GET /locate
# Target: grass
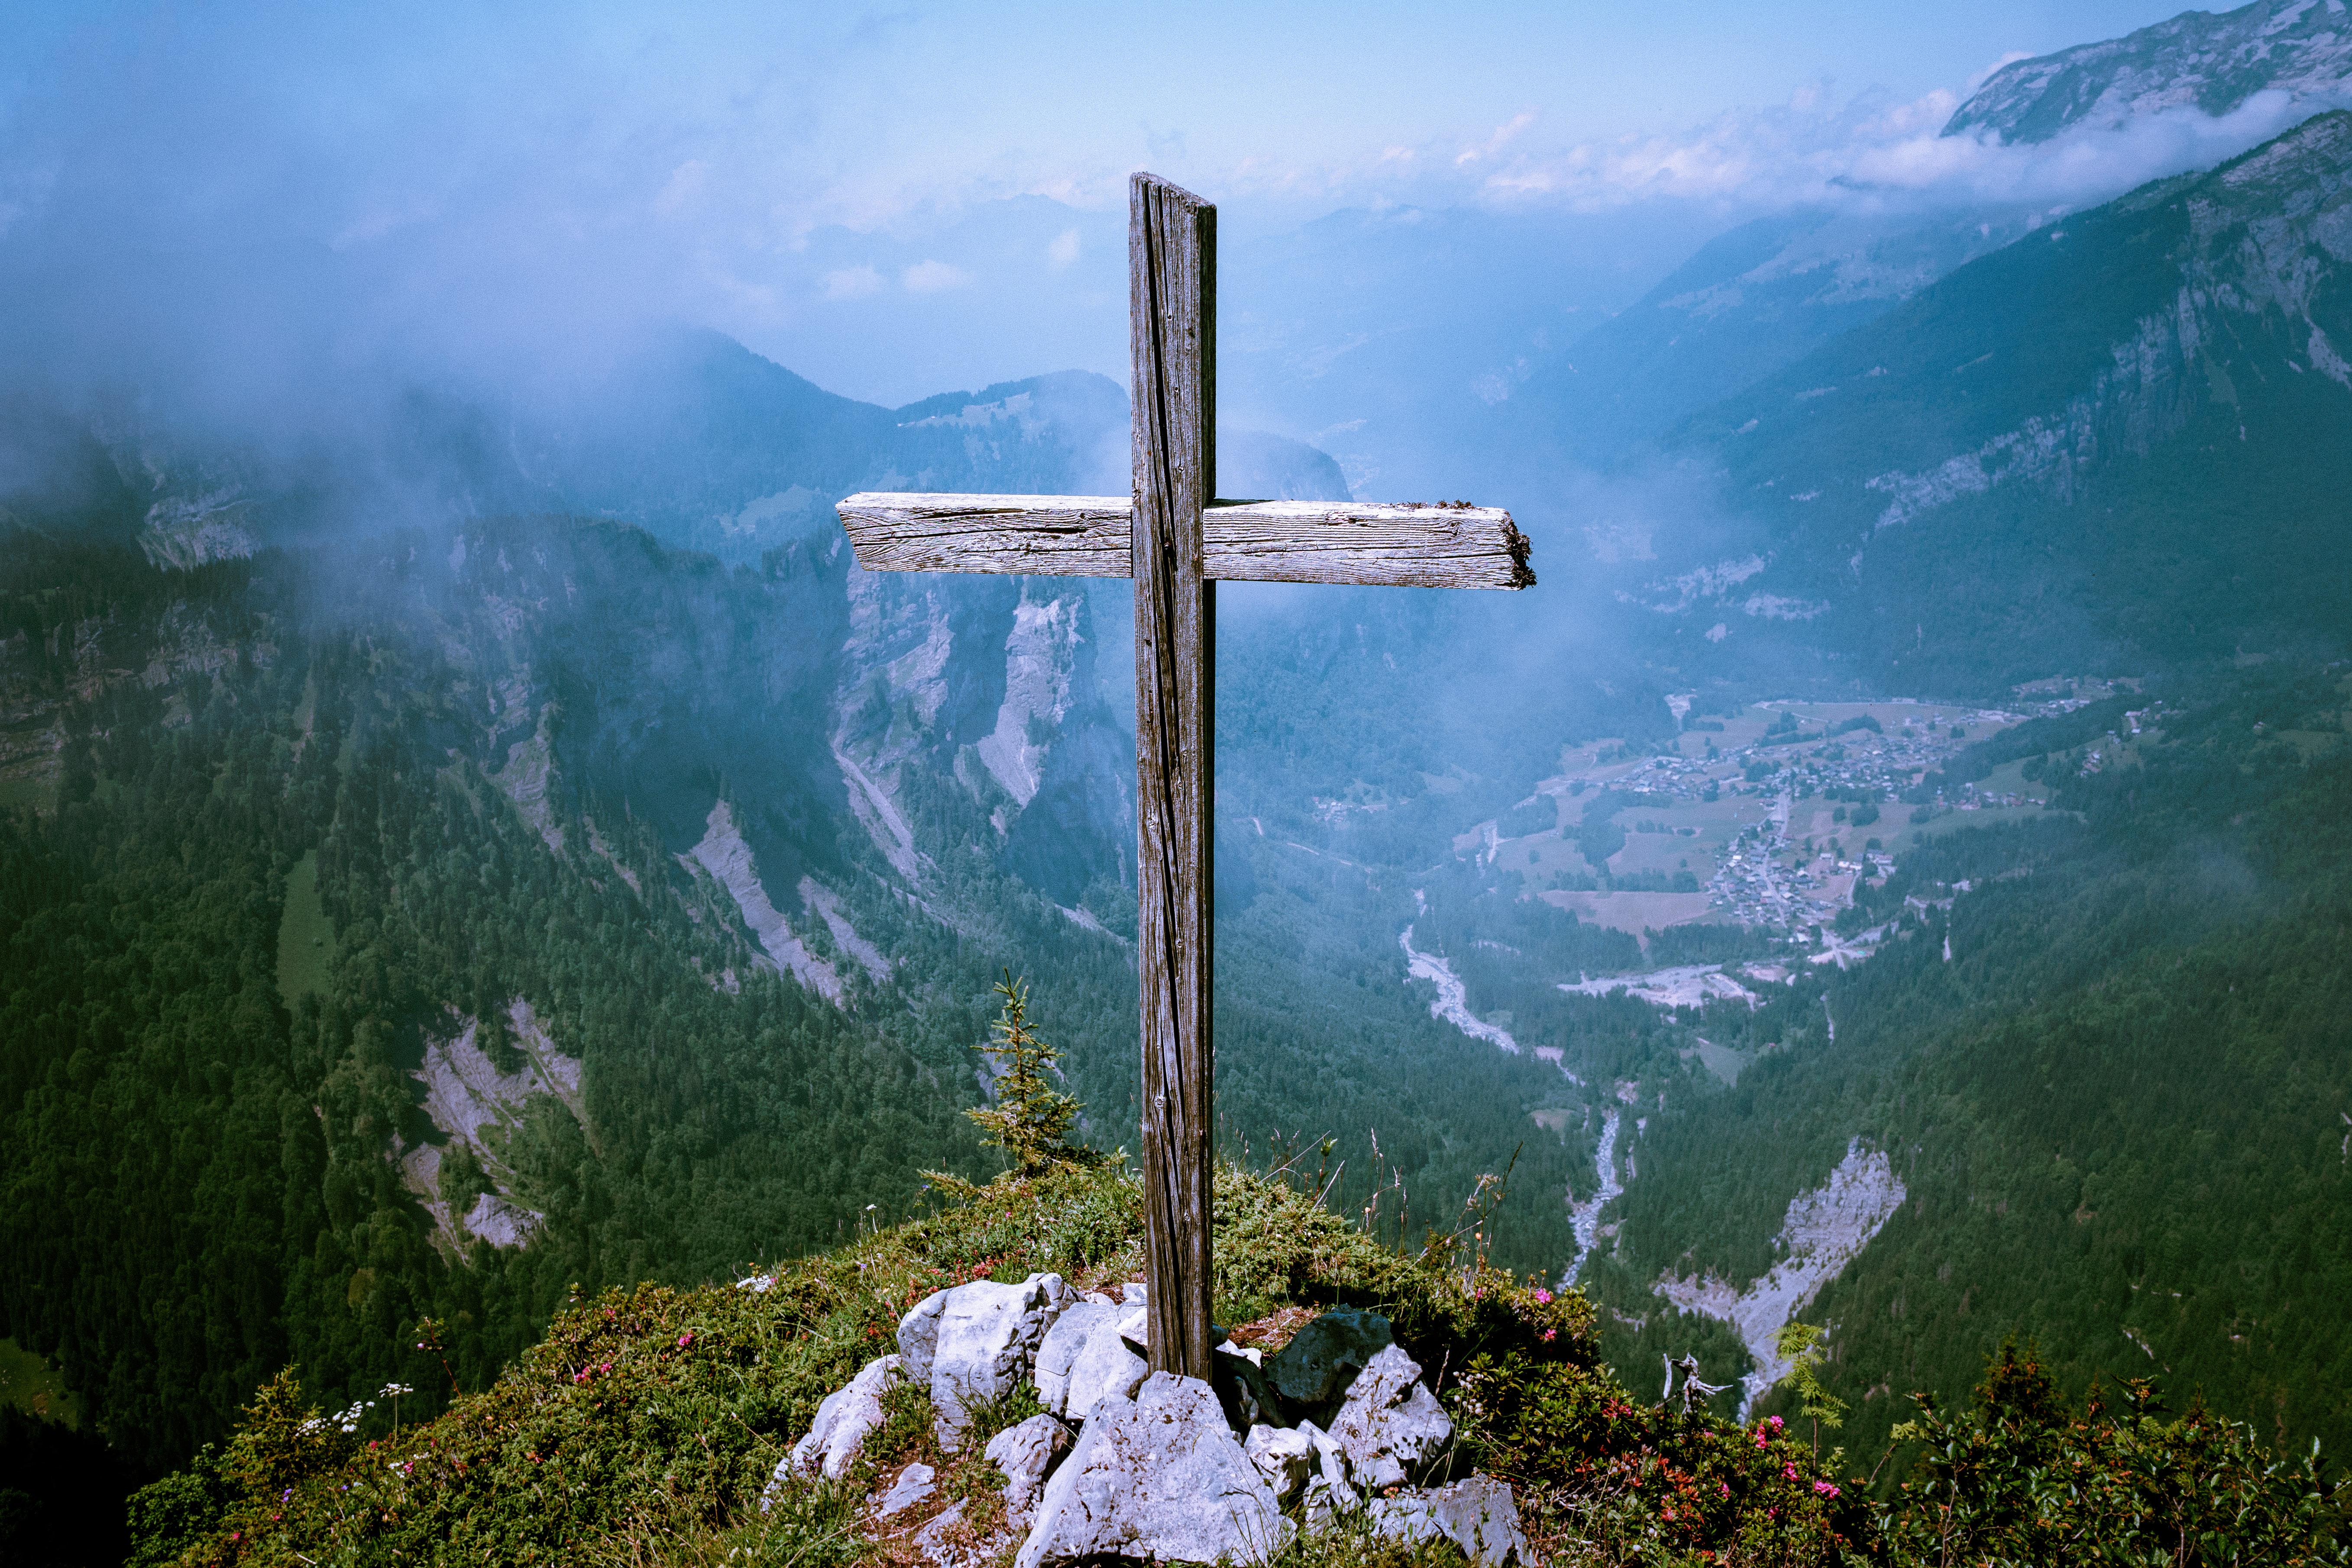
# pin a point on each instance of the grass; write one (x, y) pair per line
(1899, 821)
(1632, 912)
(31, 1385)
(36, 792)
(1722, 1060)
(304, 936)
(647, 1424)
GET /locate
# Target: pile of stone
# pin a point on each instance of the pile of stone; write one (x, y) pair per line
(1136, 1466)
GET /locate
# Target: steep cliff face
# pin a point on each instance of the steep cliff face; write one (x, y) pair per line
(784, 732)
(2116, 440)
(991, 684)
(1744, 306)
(2198, 58)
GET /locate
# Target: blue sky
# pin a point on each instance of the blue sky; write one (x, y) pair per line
(858, 191)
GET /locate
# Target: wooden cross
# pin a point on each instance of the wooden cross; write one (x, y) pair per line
(1178, 543)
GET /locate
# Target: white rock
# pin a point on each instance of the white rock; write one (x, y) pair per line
(913, 1485)
(843, 1422)
(1135, 1328)
(1082, 1358)
(919, 1338)
(932, 1543)
(1328, 1495)
(1028, 1454)
(1133, 1292)
(977, 1341)
(1479, 1514)
(1159, 1478)
(1283, 1455)
(1390, 1425)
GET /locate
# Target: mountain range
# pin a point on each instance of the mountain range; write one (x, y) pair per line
(519, 850)
(2116, 444)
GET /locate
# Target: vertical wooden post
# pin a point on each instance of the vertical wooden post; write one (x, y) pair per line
(1171, 249)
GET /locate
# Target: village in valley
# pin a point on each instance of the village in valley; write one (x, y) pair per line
(1767, 819)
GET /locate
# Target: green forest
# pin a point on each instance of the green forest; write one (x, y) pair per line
(276, 865)
(258, 887)
(2118, 1108)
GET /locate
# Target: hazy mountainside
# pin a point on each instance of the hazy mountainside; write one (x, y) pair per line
(2114, 445)
(2212, 61)
(1744, 306)
(689, 435)
(556, 907)
(1752, 301)
(1397, 339)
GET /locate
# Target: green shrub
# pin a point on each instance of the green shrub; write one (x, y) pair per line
(2025, 1480)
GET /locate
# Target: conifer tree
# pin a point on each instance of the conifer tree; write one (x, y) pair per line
(1800, 1343)
(1030, 1120)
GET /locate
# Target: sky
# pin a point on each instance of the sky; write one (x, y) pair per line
(895, 200)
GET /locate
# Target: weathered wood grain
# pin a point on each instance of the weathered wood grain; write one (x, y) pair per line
(1171, 249)
(1052, 536)
(1398, 545)
(1407, 545)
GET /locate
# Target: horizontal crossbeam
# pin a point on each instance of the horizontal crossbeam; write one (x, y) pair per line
(1410, 545)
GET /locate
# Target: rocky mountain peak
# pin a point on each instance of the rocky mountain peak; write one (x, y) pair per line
(2214, 61)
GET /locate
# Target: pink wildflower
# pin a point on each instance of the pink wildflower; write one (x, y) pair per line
(686, 1339)
(1551, 1333)
(1544, 1295)
(1776, 1422)
(1788, 1471)
(1825, 1488)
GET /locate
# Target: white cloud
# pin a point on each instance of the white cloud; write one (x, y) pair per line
(1870, 152)
(933, 277)
(1065, 248)
(1505, 134)
(685, 183)
(851, 283)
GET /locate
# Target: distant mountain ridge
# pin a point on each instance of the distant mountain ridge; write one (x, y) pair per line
(2214, 62)
(1743, 306)
(693, 436)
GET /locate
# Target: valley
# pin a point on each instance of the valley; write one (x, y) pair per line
(1892, 875)
(1747, 819)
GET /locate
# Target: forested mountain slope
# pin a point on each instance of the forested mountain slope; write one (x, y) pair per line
(1746, 305)
(2107, 1054)
(2121, 442)
(411, 931)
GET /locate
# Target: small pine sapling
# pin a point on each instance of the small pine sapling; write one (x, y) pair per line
(1031, 1120)
(1801, 1345)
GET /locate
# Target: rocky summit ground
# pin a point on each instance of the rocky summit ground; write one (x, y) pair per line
(650, 1427)
(1431, 1399)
